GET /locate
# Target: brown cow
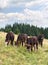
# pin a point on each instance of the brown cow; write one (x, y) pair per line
(9, 37)
(32, 42)
(21, 39)
(40, 39)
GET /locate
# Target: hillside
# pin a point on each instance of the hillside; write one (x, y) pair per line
(13, 55)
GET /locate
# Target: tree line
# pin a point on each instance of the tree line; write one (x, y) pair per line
(26, 28)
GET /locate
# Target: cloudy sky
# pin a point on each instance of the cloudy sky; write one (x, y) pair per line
(33, 12)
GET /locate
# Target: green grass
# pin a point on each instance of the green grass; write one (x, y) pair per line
(13, 55)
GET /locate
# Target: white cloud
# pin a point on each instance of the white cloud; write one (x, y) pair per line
(19, 16)
(35, 17)
(8, 3)
(38, 18)
(36, 2)
(4, 3)
(11, 16)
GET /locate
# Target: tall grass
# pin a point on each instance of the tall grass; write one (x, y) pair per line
(13, 55)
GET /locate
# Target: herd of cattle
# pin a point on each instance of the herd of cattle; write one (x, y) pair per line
(25, 40)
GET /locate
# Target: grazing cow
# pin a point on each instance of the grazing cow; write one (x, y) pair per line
(21, 39)
(40, 39)
(32, 42)
(9, 38)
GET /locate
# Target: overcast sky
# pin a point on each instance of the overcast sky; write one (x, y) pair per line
(33, 12)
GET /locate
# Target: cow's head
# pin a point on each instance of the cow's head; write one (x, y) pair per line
(7, 41)
(28, 46)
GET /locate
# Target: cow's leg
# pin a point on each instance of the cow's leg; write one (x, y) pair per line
(37, 45)
(7, 43)
(41, 44)
(34, 47)
(11, 42)
(31, 47)
(15, 42)
(22, 43)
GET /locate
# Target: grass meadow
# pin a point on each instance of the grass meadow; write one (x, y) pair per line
(13, 55)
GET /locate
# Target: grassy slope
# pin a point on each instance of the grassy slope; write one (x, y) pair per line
(20, 56)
